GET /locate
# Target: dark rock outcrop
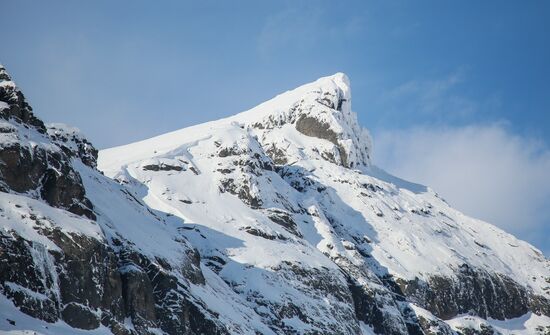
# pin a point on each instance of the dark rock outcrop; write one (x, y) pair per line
(18, 108)
(472, 290)
(73, 143)
(313, 127)
(85, 281)
(25, 280)
(42, 168)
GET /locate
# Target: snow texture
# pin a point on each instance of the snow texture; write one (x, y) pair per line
(229, 180)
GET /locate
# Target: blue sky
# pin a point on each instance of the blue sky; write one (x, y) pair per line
(426, 76)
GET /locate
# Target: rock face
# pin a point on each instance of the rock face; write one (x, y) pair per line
(273, 221)
(30, 163)
(64, 258)
(486, 294)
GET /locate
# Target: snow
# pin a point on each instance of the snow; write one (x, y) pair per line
(407, 228)
(63, 128)
(154, 234)
(278, 107)
(527, 324)
(366, 329)
(231, 308)
(415, 233)
(26, 216)
(198, 188)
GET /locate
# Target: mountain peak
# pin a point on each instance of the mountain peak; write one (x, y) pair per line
(340, 79)
(278, 203)
(311, 122)
(320, 111)
(253, 224)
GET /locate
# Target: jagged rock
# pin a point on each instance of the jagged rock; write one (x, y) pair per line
(137, 291)
(26, 280)
(292, 181)
(162, 167)
(42, 168)
(434, 327)
(17, 106)
(484, 329)
(58, 266)
(284, 219)
(73, 143)
(21, 169)
(473, 290)
(88, 274)
(65, 190)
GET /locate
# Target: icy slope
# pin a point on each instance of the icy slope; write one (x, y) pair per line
(285, 206)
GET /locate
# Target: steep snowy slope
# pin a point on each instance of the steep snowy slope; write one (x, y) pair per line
(285, 206)
(79, 251)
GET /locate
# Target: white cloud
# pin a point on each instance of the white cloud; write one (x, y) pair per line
(485, 171)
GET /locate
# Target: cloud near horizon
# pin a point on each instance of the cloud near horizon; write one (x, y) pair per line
(483, 170)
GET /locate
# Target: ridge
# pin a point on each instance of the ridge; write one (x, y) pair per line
(313, 121)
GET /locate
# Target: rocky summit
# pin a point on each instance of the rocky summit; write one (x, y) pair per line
(272, 221)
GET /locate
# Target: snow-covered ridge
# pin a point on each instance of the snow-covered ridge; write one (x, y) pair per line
(313, 121)
(289, 184)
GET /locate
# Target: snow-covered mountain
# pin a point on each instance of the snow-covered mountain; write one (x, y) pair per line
(273, 221)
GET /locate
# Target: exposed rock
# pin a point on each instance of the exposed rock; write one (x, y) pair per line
(259, 233)
(73, 143)
(79, 316)
(42, 168)
(484, 329)
(21, 169)
(284, 219)
(486, 294)
(18, 108)
(313, 127)
(435, 327)
(162, 167)
(65, 190)
(84, 279)
(27, 278)
(137, 292)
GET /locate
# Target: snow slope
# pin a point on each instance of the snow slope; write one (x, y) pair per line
(286, 193)
(79, 253)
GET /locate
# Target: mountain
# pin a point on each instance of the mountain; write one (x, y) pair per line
(272, 221)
